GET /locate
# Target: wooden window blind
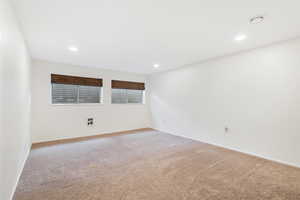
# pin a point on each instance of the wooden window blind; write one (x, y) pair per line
(75, 80)
(127, 85)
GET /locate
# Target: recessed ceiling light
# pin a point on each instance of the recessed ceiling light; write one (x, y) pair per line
(240, 37)
(257, 19)
(156, 65)
(73, 48)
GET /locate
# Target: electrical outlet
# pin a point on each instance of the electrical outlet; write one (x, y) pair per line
(226, 129)
(90, 121)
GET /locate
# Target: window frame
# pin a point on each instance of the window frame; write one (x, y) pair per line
(128, 85)
(143, 98)
(73, 104)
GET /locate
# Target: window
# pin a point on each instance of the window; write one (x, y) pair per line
(75, 90)
(64, 93)
(124, 92)
(118, 95)
(127, 96)
(89, 94)
(135, 96)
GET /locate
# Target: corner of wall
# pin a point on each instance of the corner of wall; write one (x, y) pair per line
(19, 173)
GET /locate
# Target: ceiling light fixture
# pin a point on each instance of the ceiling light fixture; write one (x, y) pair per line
(156, 65)
(257, 19)
(73, 48)
(240, 37)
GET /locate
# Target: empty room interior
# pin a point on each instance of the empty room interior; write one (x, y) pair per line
(149, 100)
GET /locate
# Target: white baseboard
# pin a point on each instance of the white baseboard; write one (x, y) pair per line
(88, 135)
(19, 173)
(234, 149)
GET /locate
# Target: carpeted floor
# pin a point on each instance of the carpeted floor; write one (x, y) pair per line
(151, 165)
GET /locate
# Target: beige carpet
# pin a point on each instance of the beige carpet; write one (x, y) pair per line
(151, 165)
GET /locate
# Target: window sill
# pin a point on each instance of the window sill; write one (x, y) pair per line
(128, 104)
(78, 104)
(96, 104)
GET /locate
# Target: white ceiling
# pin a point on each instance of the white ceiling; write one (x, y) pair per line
(132, 35)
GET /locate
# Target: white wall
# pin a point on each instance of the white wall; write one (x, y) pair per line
(52, 122)
(15, 139)
(256, 94)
